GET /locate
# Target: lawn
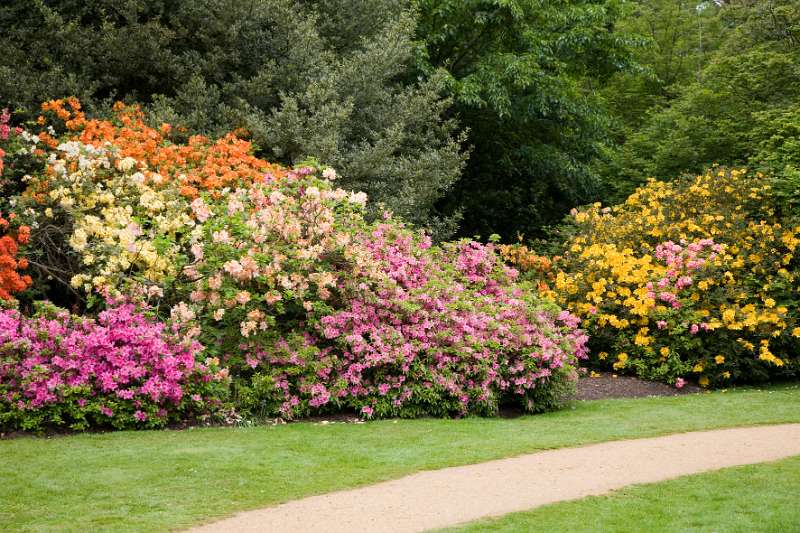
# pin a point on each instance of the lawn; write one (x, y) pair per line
(159, 480)
(743, 499)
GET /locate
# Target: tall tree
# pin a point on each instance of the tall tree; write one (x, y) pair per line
(524, 75)
(740, 108)
(678, 38)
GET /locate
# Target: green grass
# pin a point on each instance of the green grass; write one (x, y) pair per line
(159, 480)
(744, 499)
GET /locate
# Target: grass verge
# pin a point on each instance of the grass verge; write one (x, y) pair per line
(743, 499)
(160, 480)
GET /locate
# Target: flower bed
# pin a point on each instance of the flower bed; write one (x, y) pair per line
(274, 274)
(122, 369)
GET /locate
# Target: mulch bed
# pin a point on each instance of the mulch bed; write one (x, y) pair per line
(606, 385)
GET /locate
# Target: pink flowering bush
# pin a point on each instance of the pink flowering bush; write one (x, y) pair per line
(313, 309)
(121, 370)
(449, 331)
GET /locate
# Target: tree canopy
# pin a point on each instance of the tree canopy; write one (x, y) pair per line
(524, 75)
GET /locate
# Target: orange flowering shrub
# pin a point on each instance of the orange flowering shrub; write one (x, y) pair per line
(112, 204)
(199, 165)
(11, 281)
(534, 266)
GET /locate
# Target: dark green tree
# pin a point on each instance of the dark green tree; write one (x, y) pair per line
(524, 75)
(739, 108)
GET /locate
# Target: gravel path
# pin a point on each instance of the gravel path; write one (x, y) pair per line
(451, 496)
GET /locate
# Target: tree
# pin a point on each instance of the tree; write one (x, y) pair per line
(524, 75)
(739, 109)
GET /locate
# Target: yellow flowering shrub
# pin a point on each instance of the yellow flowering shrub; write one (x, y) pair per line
(689, 279)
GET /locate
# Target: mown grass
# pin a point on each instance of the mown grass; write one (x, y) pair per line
(744, 499)
(160, 480)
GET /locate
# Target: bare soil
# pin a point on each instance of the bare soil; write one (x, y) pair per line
(606, 385)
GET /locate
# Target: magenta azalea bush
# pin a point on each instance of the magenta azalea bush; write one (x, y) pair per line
(122, 370)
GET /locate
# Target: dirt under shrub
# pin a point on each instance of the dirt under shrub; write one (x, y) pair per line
(598, 386)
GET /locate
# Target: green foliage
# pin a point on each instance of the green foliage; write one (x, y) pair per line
(775, 136)
(740, 106)
(524, 77)
(326, 79)
(678, 38)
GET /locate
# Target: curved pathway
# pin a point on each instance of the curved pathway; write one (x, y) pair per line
(441, 498)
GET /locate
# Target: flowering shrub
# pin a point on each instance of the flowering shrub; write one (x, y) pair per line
(447, 332)
(693, 278)
(312, 308)
(122, 370)
(119, 227)
(199, 165)
(273, 274)
(11, 281)
(111, 211)
(539, 267)
(20, 154)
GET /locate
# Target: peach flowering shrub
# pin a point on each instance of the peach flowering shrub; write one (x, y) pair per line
(694, 279)
(122, 369)
(110, 209)
(314, 309)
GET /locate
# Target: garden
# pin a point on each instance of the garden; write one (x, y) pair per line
(392, 238)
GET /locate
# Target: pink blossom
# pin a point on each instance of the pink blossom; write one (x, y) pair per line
(122, 355)
(200, 209)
